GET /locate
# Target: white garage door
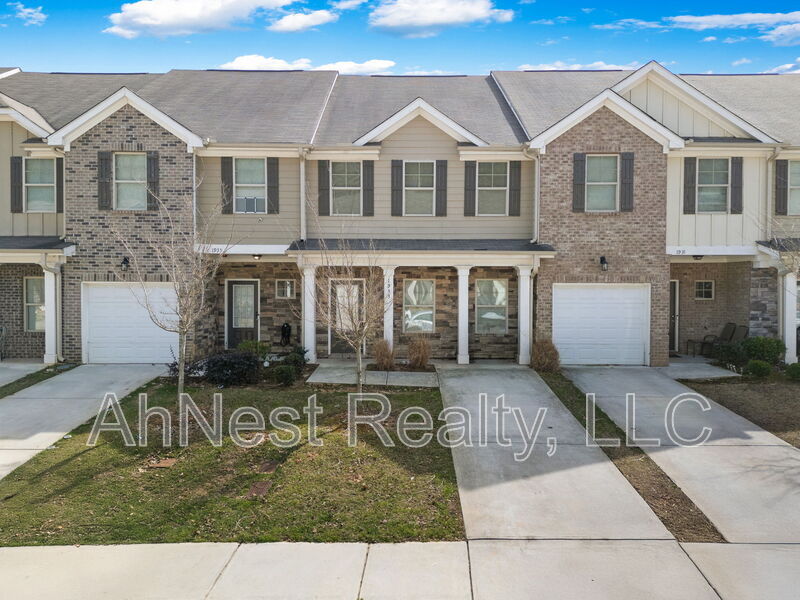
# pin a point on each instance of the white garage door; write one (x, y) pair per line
(602, 324)
(118, 329)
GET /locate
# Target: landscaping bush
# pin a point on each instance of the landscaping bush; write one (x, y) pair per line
(544, 357)
(301, 353)
(294, 360)
(419, 353)
(769, 350)
(758, 368)
(260, 349)
(286, 375)
(731, 354)
(793, 372)
(190, 369)
(384, 355)
(233, 368)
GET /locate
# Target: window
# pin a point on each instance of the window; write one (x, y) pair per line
(703, 290)
(602, 182)
(40, 185)
(346, 189)
(34, 303)
(492, 188)
(794, 187)
(284, 288)
(491, 306)
(712, 184)
(250, 185)
(418, 189)
(130, 181)
(418, 305)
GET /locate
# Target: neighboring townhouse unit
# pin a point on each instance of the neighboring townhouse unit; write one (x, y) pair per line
(620, 213)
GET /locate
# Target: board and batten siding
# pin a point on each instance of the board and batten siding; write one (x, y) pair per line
(11, 138)
(717, 229)
(281, 228)
(420, 140)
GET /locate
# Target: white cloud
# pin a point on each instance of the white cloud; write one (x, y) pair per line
(793, 67)
(784, 35)
(183, 17)
(559, 65)
(710, 38)
(553, 21)
(734, 39)
(347, 4)
(587, 10)
(631, 24)
(741, 61)
(302, 21)
(30, 15)
(257, 62)
(348, 67)
(737, 21)
(425, 18)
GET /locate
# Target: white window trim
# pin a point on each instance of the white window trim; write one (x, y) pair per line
(115, 181)
(587, 183)
(477, 306)
(698, 185)
(26, 185)
(433, 305)
(478, 188)
(791, 186)
(266, 199)
(26, 304)
(360, 188)
(713, 289)
(432, 189)
(278, 287)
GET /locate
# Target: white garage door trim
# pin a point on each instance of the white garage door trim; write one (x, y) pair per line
(86, 315)
(645, 316)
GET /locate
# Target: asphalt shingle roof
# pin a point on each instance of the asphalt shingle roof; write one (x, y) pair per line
(32, 242)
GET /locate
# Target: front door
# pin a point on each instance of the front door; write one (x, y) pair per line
(673, 316)
(242, 312)
(346, 312)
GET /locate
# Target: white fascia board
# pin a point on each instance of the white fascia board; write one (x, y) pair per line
(495, 154)
(23, 121)
(621, 107)
(10, 72)
(250, 152)
(110, 105)
(36, 256)
(712, 250)
(419, 108)
(692, 92)
(245, 249)
(426, 258)
(27, 112)
(346, 153)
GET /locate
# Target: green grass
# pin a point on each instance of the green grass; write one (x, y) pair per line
(107, 494)
(32, 379)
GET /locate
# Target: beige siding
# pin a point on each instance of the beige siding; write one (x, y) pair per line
(419, 140)
(11, 138)
(282, 228)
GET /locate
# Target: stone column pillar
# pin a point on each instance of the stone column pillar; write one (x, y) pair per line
(51, 281)
(524, 313)
(790, 316)
(463, 314)
(388, 312)
(310, 312)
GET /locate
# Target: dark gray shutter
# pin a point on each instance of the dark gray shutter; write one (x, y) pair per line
(323, 188)
(273, 181)
(579, 182)
(514, 188)
(152, 181)
(626, 182)
(59, 185)
(397, 188)
(781, 187)
(105, 176)
(689, 185)
(226, 178)
(368, 187)
(736, 185)
(441, 188)
(470, 180)
(16, 184)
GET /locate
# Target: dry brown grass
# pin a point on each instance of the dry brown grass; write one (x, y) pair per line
(544, 357)
(419, 353)
(384, 355)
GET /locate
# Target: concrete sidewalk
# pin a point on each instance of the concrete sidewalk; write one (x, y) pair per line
(12, 369)
(343, 372)
(38, 416)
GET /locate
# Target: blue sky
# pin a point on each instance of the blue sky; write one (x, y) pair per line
(397, 36)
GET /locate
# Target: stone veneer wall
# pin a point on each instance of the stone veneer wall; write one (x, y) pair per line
(634, 243)
(492, 345)
(19, 343)
(764, 318)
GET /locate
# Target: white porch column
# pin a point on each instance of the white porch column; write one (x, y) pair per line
(388, 312)
(463, 314)
(310, 312)
(790, 316)
(51, 281)
(524, 312)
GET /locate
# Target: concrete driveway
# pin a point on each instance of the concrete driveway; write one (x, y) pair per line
(38, 416)
(746, 480)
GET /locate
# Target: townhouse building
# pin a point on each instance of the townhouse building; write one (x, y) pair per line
(620, 213)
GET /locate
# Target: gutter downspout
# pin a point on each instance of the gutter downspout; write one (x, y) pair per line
(770, 197)
(56, 271)
(303, 227)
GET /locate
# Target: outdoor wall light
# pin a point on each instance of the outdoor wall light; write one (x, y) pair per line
(256, 257)
(125, 264)
(603, 263)
(698, 257)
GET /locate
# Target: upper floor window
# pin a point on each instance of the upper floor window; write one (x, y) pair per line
(130, 181)
(419, 188)
(794, 187)
(492, 188)
(34, 303)
(713, 184)
(418, 305)
(346, 189)
(491, 306)
(40, 185)
(602, 182)
(250, 185)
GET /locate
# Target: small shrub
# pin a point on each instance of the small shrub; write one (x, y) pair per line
(260, 349)
(301, 352)
(793, 372)
(544, 357)
(419, 353)
(384, 355)
(190, 369)
(731, 354)
(294, 360)
(758, 368)
(769, 350)
(233, 368)
(286, 375)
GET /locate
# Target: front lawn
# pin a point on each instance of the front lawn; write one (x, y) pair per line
(111, 494)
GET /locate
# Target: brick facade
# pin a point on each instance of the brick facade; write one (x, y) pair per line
(633, 242)
(19, 343)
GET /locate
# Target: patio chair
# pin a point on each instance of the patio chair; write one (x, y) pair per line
(706, 345)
